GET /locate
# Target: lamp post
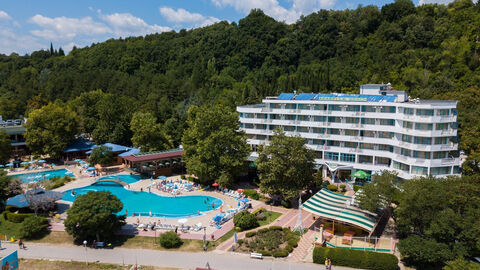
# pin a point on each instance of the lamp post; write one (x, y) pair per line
(85, 245)
(204, 238)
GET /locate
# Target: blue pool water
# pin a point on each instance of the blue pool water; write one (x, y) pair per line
(144, 202)
(37, 176)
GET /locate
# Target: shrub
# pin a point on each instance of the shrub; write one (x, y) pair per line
(286, 204)
(356, 187)
(280, 253)
(289, 248)
(183, 177)
(16, 218)
(265, 252)
(276, 228)
(250, 234)
(332, 187)
(170, 240)
(325, 184)
(33, 227)
(251, 193)
(259, 210)
(356, 258)
(245, 220)
(240, 241)
(342, 187)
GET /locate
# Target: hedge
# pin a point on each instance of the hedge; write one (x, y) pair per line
(332, 187)
(251, 193)
(356, 258)
(356, 187)
(16, 218)
(250, 234)
(170, 240)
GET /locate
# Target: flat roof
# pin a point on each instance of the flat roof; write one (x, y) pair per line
(336, 97)
(155, 155)
(431, 101)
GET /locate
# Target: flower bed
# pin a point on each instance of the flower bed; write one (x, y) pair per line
(273, 241)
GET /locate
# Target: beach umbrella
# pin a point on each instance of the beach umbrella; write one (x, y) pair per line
(9, 164)
(215, 185)
(1, 166)
(143, 225)
(240, 190)
(182, 220)
(162, 177)
(53, 164)
(41, 161)
(90, 168)
(85, 165)
(360, 174)
(24, 163)
(244, 200)
(78, 160)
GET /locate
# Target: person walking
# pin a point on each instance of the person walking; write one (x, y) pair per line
(329, 264)
(326, 263)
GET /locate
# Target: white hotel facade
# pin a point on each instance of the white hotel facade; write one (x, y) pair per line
(378, 129)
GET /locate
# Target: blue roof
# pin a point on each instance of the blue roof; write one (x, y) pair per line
(131, 152)
(305, 96)
(114, 147)
(38, 194)
(285, 96)
(80, 145)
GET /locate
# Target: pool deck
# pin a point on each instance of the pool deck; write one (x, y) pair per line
(82, 181)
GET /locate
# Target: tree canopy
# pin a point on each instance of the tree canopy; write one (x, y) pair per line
(5, 147)
(101, 155)
(50, 129)
(93, 216)
(213, 143)
(285, 166)
(148, 134)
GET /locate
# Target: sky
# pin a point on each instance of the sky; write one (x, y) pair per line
(29, 25)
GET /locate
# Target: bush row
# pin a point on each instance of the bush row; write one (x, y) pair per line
(15, 218)
(332, 187)
(251, 193)
(356, 258)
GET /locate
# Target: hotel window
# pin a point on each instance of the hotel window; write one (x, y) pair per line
(419, 170)
(406, 138)
(275, 106)
(303, 118)
(423, 126)
(304, 106)
(439, 155)
(302, 129)
(443, 112)
(261, 137)
(388, 109)
(353, 108)
(408, 111)
(318, 142)
(454, 125)
(351, 144)
(290, 106)
(382, 161)
(441, 126)
(334, 119)
(454, 111)
(365, 159)
(249, 115)
(405, 152)
(400, 166)
(318, 130)
(334, 107)
(319, 118)
(425, 112)
(368, 121)
(423, 140)
(421, 154)
(439, 170)
(368, 133)
(241, 115)
(248, 125)
(318, 154)
(276, 116)
(351, 132)
(320, 107)
(385, 134)
(242, 125)
(385, 147)
(272, 127)
(352, 120)
(333, 143)
(347, 157)
(367, 146)
(288, 128)
(290, 117)
(441, 140)
(262, 116)
(333, 131)
(331, 156)
(368, 108)
(387, 122)
(261, 126)
(407, 124)
(456, 170)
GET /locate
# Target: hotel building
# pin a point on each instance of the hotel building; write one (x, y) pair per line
(380, 128)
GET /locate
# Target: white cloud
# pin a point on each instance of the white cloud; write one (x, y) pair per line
(11, 41)
(183, 16)
(275, 10)
(125, 24)
(4, 15)
(64, 28)
(445, 2)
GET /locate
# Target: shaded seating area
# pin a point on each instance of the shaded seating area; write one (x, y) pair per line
(156, 163)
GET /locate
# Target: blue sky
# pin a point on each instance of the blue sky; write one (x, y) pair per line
(28, 25)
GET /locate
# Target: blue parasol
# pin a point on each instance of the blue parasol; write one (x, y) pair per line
(244, 200)
(90, 168)
(162, 177)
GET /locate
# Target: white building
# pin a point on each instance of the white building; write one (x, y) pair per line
(378, 129)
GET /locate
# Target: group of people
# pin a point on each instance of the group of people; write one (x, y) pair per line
(328, 264)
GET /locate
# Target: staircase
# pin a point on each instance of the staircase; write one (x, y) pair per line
(304, 246)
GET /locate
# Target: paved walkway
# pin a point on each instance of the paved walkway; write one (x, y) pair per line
(183, 260)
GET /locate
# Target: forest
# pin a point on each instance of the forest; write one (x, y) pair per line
(431, 51)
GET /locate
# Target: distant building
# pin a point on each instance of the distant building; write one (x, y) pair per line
(380, 128)
(155, 163)
(17, 139)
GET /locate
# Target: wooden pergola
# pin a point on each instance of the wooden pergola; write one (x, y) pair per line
(156, 163)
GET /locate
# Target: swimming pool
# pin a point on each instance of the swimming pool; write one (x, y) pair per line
(37, 176)
(144, 203)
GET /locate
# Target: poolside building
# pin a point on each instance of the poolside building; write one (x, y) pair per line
(156, 163)
(380, 128)
(17, 139)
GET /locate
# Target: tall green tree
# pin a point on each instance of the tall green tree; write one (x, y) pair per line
(93, 216)
(285, 166)
(5, 147)
(50, 129)
(148, 134)
(213, 143)
(380, 193)
(101, 155)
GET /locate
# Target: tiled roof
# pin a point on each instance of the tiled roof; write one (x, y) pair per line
(150, 156)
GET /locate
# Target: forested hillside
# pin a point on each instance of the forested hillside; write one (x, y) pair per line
(432, 51)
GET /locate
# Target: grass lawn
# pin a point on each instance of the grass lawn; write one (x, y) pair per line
(271, 217)
(8, 228)
(60, 265)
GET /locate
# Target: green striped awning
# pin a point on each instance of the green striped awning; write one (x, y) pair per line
(334, 206)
